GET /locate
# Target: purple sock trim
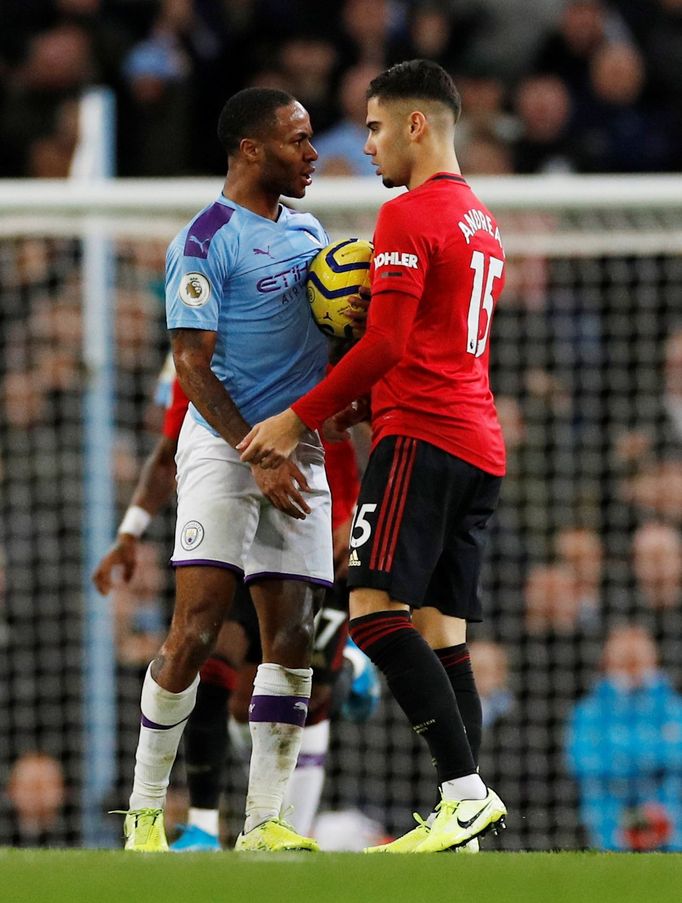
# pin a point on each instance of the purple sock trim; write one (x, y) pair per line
(145, 722)
(279, 709)
(308, 760)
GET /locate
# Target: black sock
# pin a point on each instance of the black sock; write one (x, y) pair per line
(206, 746)
(457, 663)
(419, 685)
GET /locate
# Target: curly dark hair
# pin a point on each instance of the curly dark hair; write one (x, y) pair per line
(249, 113)
(421, 79)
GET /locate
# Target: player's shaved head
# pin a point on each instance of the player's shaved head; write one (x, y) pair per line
(250, 113)
(421, 80)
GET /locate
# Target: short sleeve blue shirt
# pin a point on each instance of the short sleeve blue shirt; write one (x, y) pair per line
(243, 276)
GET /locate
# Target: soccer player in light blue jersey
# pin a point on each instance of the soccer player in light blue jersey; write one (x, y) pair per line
(245, 346)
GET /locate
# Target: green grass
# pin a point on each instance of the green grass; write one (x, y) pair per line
(104, 876)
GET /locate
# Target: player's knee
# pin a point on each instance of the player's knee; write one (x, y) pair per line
(294, 638)
(193, 647)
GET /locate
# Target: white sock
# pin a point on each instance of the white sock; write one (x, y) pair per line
(206, 819)
(277, 713)
(305, 786)
(469, 787)
(163, 720)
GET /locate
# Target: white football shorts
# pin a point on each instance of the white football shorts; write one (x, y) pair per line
(224, 519)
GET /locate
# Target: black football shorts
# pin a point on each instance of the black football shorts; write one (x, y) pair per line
(419, 528)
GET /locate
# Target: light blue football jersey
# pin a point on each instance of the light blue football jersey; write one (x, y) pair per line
(242, 276)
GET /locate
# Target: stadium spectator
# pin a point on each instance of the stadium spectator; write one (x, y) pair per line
(614, 130)
(581, 550)
(37, 792)
(657, 600)
(156, 100)
(552, 601)
(657, 559)
(566, 52)
(484, 108)
(624, 747)
(442, 32)
(340, 147)
(483, 154)
(57, 65)
(508, 35)
(543, 105)
(662, 46)
(491, 669)
(308, 62)
(366, 31)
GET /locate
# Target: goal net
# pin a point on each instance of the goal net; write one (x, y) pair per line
(578, 658)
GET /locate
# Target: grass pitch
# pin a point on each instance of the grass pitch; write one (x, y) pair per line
(83, 876)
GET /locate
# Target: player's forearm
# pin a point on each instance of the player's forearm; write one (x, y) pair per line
(210, 398)
(380, 349)
(157, 478)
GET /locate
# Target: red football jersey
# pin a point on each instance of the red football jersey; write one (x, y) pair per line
(440, 244)
(175, 412)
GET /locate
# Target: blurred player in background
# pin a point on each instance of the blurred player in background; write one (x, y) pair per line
(244, 346)
(438, 457)
(227, 675)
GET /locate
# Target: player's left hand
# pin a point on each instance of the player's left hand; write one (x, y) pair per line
(282, 487)
(356, 412)
(270, 443)
(331, 432)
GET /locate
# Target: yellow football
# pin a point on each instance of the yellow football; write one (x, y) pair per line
(339, 271)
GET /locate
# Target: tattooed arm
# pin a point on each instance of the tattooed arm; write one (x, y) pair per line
(192, 353)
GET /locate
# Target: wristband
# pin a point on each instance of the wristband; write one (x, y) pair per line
(135, 521)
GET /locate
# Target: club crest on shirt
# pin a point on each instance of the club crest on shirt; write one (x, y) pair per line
(191, 536)
(195, 289)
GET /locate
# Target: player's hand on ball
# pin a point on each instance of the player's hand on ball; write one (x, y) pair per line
(357, 311)
(117, 566)
(270, 443)
(282, 486)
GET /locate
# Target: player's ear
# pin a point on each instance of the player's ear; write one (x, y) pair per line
(250, 149)
(417, 124)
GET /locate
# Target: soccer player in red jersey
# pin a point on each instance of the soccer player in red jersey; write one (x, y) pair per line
(438, 456)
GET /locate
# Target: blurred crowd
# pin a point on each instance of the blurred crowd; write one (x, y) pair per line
(547, 85)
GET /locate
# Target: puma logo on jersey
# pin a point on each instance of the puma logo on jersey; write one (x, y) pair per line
(265, 252)
(396, 258)
(206, 241)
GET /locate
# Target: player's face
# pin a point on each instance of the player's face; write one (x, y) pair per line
(386, 143)
(288, 153)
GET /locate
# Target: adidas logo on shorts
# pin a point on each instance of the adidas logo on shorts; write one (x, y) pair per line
(353, 559)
